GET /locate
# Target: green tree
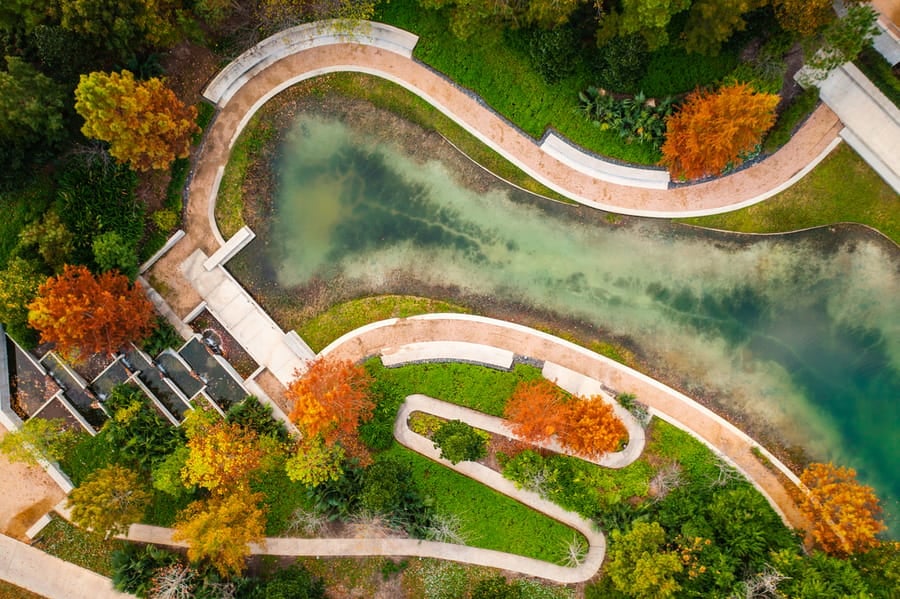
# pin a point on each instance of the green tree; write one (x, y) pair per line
(314, 463)
(844, 39)
(19, 285)
(38, 437)
(31, 115)
(640, 565)
(650, 19)
(167, 473)
(31, 104)
(53, 240)
(122, 25)
(109, 500)
(112, 252)
(25, 14)
(459, 442)
(388, 488)
(135, 431)
(146, 125)
(712, 23)
(254, 414)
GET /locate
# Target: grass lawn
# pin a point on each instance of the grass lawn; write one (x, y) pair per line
(86, 549)
(506, 81)
(488, 519)
(11, 591)
(843, 188)
(342, 318)
(470, 385)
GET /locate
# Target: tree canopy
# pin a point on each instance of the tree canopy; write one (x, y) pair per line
(110, 500)
(146, 125)
(845, 515)
(712, 129)
(84, 314)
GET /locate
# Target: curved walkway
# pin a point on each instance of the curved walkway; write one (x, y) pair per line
(277, 63)
(340, 547)
(722, 437)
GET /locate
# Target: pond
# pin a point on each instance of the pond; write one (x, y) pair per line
(796, 337)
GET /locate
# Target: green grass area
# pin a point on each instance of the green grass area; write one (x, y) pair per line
(879, 72)
(477, 387)
(843, 188)
(506, 81)
(322, 329)
(80, 547)
(282, 497)
(11, 591)
(487, 519)
(230, 203)
(673, 71)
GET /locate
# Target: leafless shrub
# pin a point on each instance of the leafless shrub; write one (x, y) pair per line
(667, 479)
(446, 528)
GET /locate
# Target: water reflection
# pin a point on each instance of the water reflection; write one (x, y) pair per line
(801, 332)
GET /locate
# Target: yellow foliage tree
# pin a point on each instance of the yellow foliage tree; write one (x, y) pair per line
(109, 500)
(222, 458)
(314, 463)
(146, 125)
(712, 129)
(221, 528)
(844, 513)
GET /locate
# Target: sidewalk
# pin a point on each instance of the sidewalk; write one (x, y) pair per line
(719, 435)
(50, 576)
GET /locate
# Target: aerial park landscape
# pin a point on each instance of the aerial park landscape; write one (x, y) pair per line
(362, 223)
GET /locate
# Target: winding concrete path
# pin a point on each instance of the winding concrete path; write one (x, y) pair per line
(726, 440)
(341, 547)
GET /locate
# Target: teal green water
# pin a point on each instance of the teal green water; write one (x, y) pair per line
(798, 334)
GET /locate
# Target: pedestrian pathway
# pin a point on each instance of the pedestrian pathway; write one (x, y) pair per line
(46, 575)
(299, 61)
(339, 547)
(282, 353)
(722, 437)
(872, 121)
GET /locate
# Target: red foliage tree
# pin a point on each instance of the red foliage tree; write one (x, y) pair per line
(844, 513)
(331, 399)
(538, 410)
(85, 314)
(535, 410)
(712, 129)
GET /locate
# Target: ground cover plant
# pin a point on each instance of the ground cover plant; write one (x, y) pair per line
(843, 188)
(81, 547)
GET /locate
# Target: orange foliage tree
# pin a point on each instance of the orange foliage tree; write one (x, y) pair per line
(591, 428)
(539, 410)
(844, 513)
(712, 129)
(146, 125)
(534, 410)
(84, 314)
(331, 399)
(222, 458)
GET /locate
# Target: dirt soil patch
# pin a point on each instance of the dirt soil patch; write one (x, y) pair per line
(28, 493)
